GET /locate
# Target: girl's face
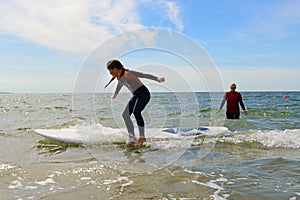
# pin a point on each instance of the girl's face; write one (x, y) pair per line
(115, 72)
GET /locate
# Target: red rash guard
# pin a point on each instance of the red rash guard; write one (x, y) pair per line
(233, 101)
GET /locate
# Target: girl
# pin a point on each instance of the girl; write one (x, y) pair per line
(141, 97)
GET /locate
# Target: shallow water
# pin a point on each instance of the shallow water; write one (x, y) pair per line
(257, 157)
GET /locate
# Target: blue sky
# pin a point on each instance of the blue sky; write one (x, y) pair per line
(254, 43)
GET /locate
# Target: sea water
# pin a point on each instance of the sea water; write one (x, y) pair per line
(256, 157)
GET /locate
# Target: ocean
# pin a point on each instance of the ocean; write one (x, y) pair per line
(255, 157)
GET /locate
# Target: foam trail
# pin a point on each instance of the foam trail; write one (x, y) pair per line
(271, 138)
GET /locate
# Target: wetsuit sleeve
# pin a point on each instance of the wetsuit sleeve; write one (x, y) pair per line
(241, 102)
(223, 102)
(118, 88)
(142, 75)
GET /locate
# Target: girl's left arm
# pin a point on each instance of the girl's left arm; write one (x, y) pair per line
(148, 76)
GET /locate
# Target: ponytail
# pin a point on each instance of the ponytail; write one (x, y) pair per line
(113, 78)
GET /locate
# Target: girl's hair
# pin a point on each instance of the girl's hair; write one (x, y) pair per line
(114, 64)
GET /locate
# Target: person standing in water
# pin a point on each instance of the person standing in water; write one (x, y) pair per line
(141, 97)
(233, 99)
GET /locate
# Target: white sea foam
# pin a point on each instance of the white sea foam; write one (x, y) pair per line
(46, 182)
(5, 167)
(271, 138)
(194, 172)
(85, 178)
(97, 133)
(213, 184)
(31, 187)
(118, 180)
(15, 184)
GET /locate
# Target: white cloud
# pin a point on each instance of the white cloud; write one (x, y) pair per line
(55, 24)
(173, 11)
(73, 26)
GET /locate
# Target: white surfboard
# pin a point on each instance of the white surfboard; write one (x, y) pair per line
(100, 134)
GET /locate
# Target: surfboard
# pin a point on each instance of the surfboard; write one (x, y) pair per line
(186, 131)
(98, 135)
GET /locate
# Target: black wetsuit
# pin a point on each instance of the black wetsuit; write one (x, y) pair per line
(141, 97)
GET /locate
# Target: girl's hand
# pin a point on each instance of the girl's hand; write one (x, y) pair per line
(160, 79)
(114, 96)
